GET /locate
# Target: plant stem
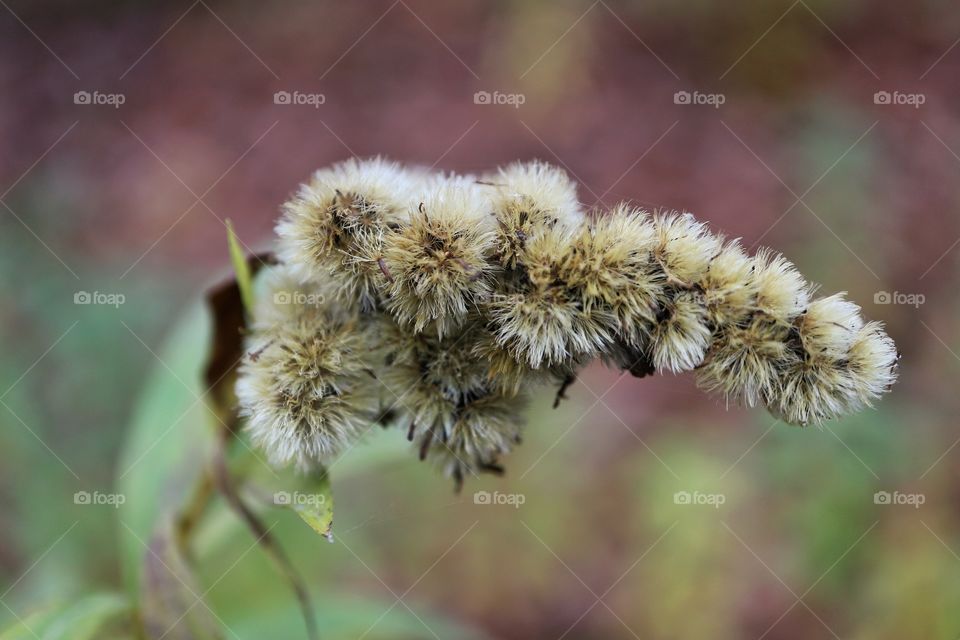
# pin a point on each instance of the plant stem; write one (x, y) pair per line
(226, 486)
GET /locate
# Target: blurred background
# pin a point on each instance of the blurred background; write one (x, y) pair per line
(830, 131)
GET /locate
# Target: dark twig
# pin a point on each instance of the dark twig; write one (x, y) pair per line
(562, 391)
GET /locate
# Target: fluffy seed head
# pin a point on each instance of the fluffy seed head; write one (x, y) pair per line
(444, 298)
(609, 265)
(452, 409)
(681, 336)
(728, 287)
(829, 327)
(744, 361)
(336, 225)
(538, 318)
(304, 385)
(527, 198)
(554, 193)
(438, 260)
(684, 248)
(484, 428)
(818, 385)
(851, 365)
(782, 293)
(510, 376)
(811, 391)
(872, 361)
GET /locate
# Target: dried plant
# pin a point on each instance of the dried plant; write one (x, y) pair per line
(435, 303)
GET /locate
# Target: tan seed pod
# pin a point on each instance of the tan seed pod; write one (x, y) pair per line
(438, 261)
(442, 299)
(336, 226)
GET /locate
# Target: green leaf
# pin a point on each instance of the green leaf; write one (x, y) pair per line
(170, 441)
(168, 444)
(28, 627)
(241, 267)
(314, 504)
(309, 495)
(344, 615)
(89, 618)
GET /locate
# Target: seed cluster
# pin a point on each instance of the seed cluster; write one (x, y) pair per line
(436, 302)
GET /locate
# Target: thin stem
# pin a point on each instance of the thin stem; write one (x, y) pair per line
(224, 482)
(189, 517)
